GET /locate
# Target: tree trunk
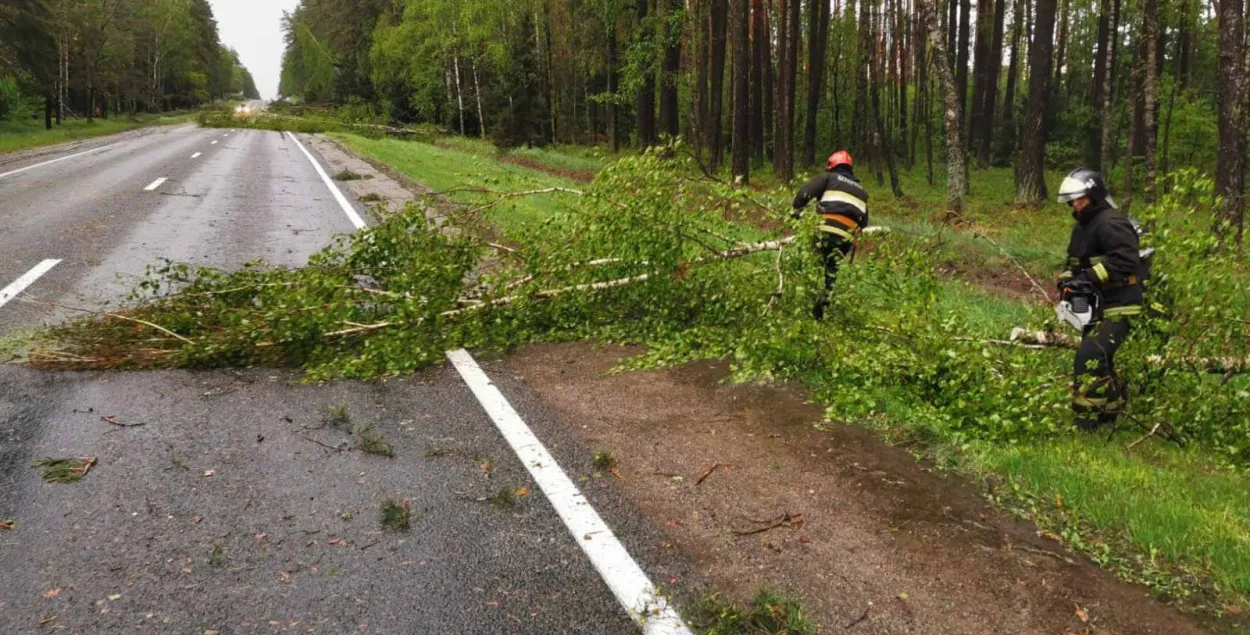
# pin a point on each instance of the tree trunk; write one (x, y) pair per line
(770, 85)
(1108, 88)
(759, 44)
(1183, 46)
(1093, 137)
(459, 94)
(477, 93)
(990, 97)
(818, 31)
(645, 105)
(883, 133)
(1030, 167)
(956, 159)
(669, 72)
(1008, 144)
(47, 109)
(716, 85)
(1230, 167)
(700, 107)
(741, 90)
(1150, 28)
(952, 29)
(961, 54)
(1136, 142)
(980, 66)
(901, 40)
(792, 75)
(787, 67)
(614, 111)
(859, 118)
(920, 44)
(1060, 54)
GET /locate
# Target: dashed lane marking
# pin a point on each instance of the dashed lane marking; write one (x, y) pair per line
(196, 155)
(27, 279)
(155, 184)
(624, 577)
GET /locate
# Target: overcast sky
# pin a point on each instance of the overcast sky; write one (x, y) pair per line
(254, 29)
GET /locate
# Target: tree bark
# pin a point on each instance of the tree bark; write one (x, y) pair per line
(770, 85)
(716, 83)
(1008, 144)
(759, 41)
(980, 64)
(614, 111)
(787, 66)
(956, 159)
(669, 71)
(990, 97)
(1230, 166)
(1061, 53)
(920, 44)
(883, 133)
(1136, 143)
(818, 30)
(1150, 32)
(645, 106)
(741, 90)
(1108, 87)
(701, 30)
(952, 29)
(47, 109)
(1030, 167)
(961, 53)
(459, 94)
(859, 118)
(1093, 136)
(477, 93)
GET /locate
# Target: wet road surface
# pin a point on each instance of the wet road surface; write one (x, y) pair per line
(234, 506)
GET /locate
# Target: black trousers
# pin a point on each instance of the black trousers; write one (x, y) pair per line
(832, 249)
(1098, 394)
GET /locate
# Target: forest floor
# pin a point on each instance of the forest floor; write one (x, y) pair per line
(911, 517)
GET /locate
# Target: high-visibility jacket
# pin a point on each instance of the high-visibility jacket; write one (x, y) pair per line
(1104, 250)
(843, 202)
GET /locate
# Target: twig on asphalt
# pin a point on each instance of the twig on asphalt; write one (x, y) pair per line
(336, 448)
(859, 619)
(707, 473)
(785, 520)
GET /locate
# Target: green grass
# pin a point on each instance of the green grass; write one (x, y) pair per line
(468, 165)
(395, 516)
(768, 613)
(1157, 500)
(23, 134)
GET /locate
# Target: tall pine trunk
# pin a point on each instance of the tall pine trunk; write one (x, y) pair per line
(1008, 144)
(759, 44)
(1093, 136)
(645, 107)
(956, 159)
(741, 88)
(883, 133)
(818, 34)
(716, 84)
(1150, 32)
(990, 97)
(1030, 167)
(669, 72)
(1230, 166)
(1108, 90)
(961, 53)
(980, 66)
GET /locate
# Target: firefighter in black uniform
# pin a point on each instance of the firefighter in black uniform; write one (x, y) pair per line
(1103, 260)
(844, 206)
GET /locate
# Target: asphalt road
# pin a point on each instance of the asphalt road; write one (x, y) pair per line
(230, 504)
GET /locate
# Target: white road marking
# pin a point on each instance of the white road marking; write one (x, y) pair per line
(355, 218)
(623, 575)
(39, 165)
(213, 142)
(154, 184)
(19, 285)
(196, 155)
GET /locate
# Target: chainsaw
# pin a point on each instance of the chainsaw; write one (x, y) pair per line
(1080, 304)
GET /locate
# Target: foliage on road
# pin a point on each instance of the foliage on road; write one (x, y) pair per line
(654, 252)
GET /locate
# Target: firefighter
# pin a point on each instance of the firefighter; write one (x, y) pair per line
(844, 206)
(1104, 263)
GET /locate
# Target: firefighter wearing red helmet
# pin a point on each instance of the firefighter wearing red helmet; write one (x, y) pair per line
(843, 202)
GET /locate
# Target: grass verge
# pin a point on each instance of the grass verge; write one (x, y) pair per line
(24, 134)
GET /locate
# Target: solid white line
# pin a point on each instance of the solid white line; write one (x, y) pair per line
(154, 184)
(196, 155)
(19, 285)
(623, 575)
(39, 165)
(355, 218)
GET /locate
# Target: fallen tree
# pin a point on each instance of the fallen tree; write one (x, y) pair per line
(1217, 365)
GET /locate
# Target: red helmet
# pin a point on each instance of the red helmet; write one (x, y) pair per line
(841, 157)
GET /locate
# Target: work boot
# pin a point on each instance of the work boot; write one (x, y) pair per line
(818, 311)
(1088, 425)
